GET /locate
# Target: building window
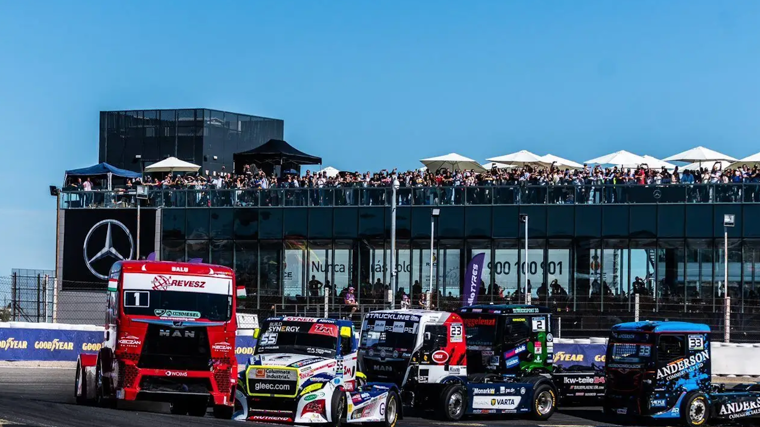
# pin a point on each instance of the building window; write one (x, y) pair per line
(293, 280)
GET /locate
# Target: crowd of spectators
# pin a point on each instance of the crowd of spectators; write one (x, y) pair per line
(525, 185)
(256, 179)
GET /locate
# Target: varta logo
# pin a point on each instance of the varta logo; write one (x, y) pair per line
(176, 334)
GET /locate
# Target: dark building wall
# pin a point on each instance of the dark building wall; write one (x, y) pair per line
(230, 133)
(193, 135)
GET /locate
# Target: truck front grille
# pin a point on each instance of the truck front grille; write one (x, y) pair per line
(167, 347)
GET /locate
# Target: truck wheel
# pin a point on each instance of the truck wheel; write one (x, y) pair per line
(391, 411)
(338, 408)
(695, 411)
(179, 407)
(240, 413)
(544, 403)
(80, 385)
(103, 400)
(453, 403)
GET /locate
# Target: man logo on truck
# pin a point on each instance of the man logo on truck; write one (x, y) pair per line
(176, 334)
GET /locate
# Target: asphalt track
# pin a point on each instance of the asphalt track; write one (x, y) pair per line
(43, 397)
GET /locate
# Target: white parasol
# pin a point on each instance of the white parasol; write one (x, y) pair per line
(560, 162)
(619, 158)
(452, 161)
(521, 158)
(172, 164)
(697, 155)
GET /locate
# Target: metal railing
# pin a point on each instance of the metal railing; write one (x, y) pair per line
(422, 196)
(592, 315)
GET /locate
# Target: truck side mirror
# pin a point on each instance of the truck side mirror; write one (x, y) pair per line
(428, 337)
(256, 333)
(345, 332)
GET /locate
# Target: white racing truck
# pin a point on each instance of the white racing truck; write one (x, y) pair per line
(303, 371)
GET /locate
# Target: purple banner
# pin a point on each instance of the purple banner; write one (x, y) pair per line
(472, 279)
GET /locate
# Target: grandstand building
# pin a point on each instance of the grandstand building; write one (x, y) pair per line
(590, 249)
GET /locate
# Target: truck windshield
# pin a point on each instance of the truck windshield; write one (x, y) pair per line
(195, 298)
(394, 334)
(480, 330)
(318, 339)
(630, 348)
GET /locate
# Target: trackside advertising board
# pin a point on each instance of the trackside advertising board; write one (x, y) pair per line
(62, 345)
(66, 345)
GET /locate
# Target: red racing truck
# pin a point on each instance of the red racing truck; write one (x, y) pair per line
(169, 337)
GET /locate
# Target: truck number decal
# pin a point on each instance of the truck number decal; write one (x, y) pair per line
(539, 324)
(696, 342)
(270, 338)
(136, 299)
(456, 332)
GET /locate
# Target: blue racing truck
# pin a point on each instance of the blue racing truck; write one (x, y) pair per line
(661, 370)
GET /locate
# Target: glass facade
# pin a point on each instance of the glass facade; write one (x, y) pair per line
(204, 137)
(581, 259)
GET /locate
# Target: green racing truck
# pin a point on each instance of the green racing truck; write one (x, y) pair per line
(517, 341)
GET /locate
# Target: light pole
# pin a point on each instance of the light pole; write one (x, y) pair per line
(394, 285)
(433, 215)
(141, 192)
(56, 192)
(728, 221)
(524, 218)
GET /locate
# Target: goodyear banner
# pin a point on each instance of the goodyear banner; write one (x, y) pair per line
(62, 345)
(47, 344)
(567, 355)
(244, 348)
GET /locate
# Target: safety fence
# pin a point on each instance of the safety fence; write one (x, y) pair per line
(40, 299)
(511, 194)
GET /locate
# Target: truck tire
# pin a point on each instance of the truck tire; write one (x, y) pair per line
(103, 399)
(695, 411)
(338, 407)
(452, 403)
(544, 402)
(223, 412)
(240, 411)
(80, 384)
(391, 411)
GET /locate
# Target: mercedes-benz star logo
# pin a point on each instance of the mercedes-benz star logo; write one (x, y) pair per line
(108, 250)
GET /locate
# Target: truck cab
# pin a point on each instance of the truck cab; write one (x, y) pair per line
(169, 336)
(508, 340)
(426, 353)
(659, 370)
(420, 351)
(304, 370)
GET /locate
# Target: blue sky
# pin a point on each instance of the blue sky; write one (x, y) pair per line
(371, 85)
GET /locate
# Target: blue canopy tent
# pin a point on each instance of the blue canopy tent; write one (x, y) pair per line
(102, 169)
